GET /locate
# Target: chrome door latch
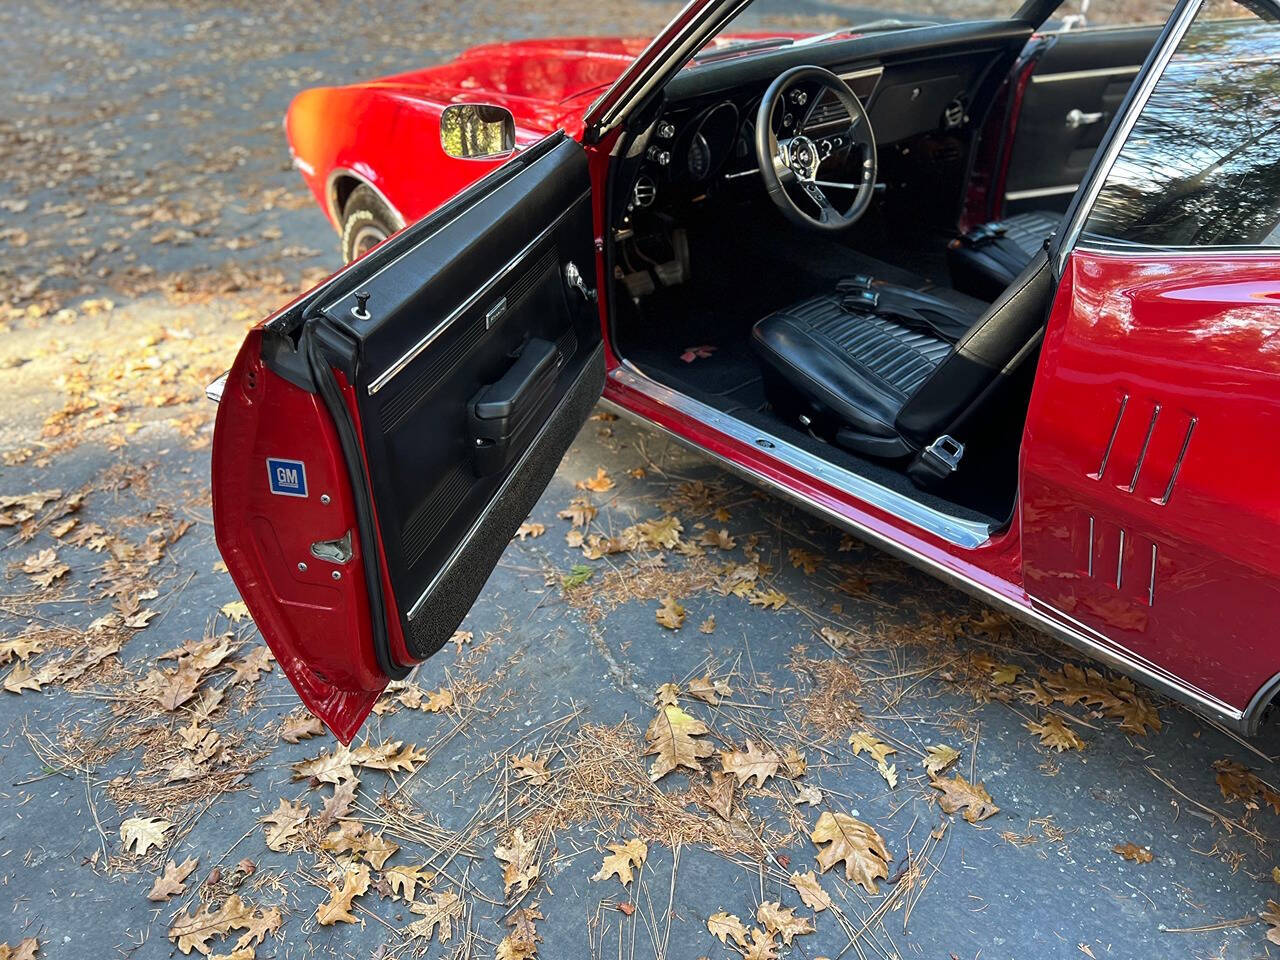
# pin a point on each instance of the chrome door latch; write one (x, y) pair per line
(573, 276)
(333, 551)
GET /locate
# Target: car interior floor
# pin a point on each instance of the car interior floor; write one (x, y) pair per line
(745, 263)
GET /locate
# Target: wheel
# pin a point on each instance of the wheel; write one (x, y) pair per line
(366, 222)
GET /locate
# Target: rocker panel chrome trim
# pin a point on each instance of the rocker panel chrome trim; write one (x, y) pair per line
(1049, 620)
(963, 533)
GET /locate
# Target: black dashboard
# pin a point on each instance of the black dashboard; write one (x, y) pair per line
(912, 83)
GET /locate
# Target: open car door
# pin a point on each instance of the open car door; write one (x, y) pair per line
(379, 440)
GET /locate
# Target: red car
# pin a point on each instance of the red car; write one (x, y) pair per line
(1004, 303)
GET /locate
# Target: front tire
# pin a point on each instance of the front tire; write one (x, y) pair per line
(366, 222)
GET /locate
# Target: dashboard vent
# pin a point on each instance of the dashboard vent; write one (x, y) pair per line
(829, 110)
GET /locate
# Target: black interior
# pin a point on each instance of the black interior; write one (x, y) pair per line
(719, 296)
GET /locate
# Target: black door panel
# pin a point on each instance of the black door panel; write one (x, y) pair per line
(1079, 80)
(475, 365)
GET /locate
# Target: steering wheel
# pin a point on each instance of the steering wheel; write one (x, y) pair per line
(790, 157)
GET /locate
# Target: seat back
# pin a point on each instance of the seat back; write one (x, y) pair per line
(987, 353)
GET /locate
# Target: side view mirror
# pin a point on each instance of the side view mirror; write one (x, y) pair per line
(477, 131)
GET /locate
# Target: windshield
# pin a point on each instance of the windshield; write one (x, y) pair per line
(768, 23)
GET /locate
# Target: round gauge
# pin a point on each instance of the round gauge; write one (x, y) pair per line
(699, 157)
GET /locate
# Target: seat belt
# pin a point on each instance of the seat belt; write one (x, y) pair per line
(861, 294)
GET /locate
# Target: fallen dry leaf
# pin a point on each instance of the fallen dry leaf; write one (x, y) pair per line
(532, 770)
(351, 837)
(752, 762)
(624, 857)
(143, 833)
(670, 614)
(172, 881)
(296, 729)
(672, 739)
(811, 893)
(403, 881)
(708, 690)
(1131, 851)
(938, 757)
(438, 915)
(521, 859)
(781, 921)
(959, 794)
(337, 909)
(26, 949)
(854, 843)
(725, 925)
(600, 483)
(1053, 733)
(1270, 916)
(529, 529)
(284, 823)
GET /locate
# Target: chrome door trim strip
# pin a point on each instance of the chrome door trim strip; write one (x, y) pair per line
(968, 534)
(597, 356)
(382, 379)
(1042, 192)
(1053, 622)
(1147, 84)
(1085, 638)
(1129, 71)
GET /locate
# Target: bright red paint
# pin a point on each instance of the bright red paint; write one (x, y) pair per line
(1197, 335)
(317, 627)
(1200, 336)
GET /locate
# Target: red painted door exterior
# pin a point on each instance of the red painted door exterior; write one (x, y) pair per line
(1151, 467)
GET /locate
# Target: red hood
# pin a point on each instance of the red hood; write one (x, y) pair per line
(546, 84)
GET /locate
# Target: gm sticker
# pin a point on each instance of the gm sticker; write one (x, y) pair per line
(287, 477)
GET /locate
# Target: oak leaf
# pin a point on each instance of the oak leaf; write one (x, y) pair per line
(438, 700)
(856, 844)
(719, 539)
(22, 647)
(258, 661)
(1131, 851)
(173, 881)
(781, 921)
(600, 483)
(1270, 916)
(235, 611)
(806, 884)
(143, 833)
(521, 859)
(438, 915)
(762, 946)
(959, 794)
(337, 909)
(522, 942)
(749, 763)
(25, 950)
(532, 770)
(530, 529)
(624, 857)
(193, 932)
(879, 750)
(708, 625)
(708, 690)
(768, 599)
(939, 757)
(579, 513)
(284, 823)
(1053, 733)
(670, 614)
(403, 881)
(805, 560)
(667, 695)
(720, 794)
(672, 740)
(327, 767)
(725, 925)
(661, 533)
(339, 805)
(296, 729)
(21, 678)
(809, 794)
(351, 837)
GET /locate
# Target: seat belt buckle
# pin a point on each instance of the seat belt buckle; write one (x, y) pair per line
(864, 301)
(859, 281)
(942, 457)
